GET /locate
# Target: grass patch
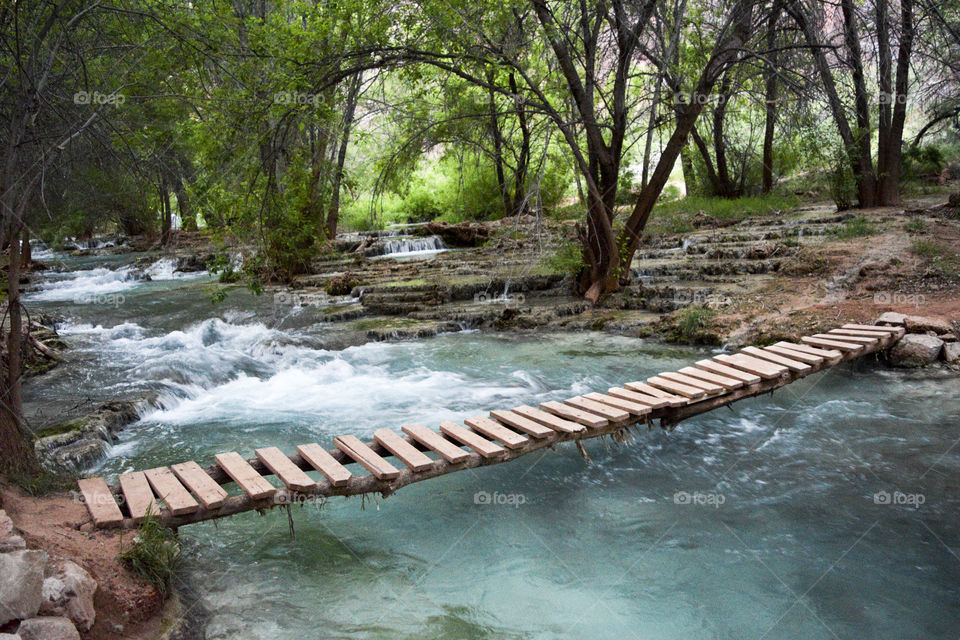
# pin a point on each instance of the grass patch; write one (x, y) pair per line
(43, 483)
(676, 216)
(940, 257)
(854, 228)
(58, 429)
(917, 225)
(154, 555)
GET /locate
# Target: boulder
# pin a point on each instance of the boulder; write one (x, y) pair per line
(916, 350)
(69, 592)
(21, 582)
(9, 636)
(6, 524)
(12, 542)
(922, 324)
(948, 337)
(462, 234)
(951, 351)
(48, 628)
(892, 317)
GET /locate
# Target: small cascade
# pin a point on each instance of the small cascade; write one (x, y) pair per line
(412, 246)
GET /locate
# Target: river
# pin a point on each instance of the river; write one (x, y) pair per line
(828, 510)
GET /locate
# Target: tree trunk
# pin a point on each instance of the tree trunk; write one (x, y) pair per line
(350, 109)
(770, 100)
(16, 452)
(26, 251)
(497, 142)
(523, 160)
(166, 215)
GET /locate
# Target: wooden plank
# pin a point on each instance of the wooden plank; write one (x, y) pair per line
(168, 488)
(866, 333)
(896, 331)
(548, 419)
(321, 460)
(853, 339)
(100, 503)
(730, 372)
(790, 363)
(634, 408)
(611, 413)
(586, 418)
(710, 387)
(830, 355)
(366, 457)
(435, 442)
(858, 335)
(292, 476)
(403, 450)
(724, 381)
(495, 430)
(762, 368)
(832, 344)
(481, 445)
(694, 393)
(138, 495)
(210, 494)
(246, 477)
(795, 355)
(520, 423)
(644, 388)
(639, 398)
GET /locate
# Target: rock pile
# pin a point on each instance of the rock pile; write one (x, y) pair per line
(41, 597)
(928, 340)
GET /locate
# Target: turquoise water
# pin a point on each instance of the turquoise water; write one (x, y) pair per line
(768, 521)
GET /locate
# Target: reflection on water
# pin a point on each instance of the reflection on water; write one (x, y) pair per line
(799, 546)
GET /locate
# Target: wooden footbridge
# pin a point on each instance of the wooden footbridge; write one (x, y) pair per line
(185, 493)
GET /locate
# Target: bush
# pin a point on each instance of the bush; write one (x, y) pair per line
(922, 162)
(843, 185)
(568, 259)
(155, 553)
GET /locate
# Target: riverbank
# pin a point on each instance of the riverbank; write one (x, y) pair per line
(218, 372)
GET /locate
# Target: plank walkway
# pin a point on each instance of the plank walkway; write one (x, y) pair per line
(185, 493)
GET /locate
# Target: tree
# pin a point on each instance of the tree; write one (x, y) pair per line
(876, 185)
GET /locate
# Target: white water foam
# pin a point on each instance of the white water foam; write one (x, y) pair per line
(91, 285)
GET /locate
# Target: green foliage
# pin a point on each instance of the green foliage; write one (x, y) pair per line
(691, 323)
(568, 259)
(842, 184)
(854, 228)
(155, 553)
(922, 162)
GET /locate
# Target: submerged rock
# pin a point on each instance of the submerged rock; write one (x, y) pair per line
(73, 445)
(916, 350)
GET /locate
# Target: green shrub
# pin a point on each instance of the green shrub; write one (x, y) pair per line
(568, 259)
(155, 553)
(922, 162)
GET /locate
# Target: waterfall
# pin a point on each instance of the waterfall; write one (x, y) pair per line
(412, 246)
